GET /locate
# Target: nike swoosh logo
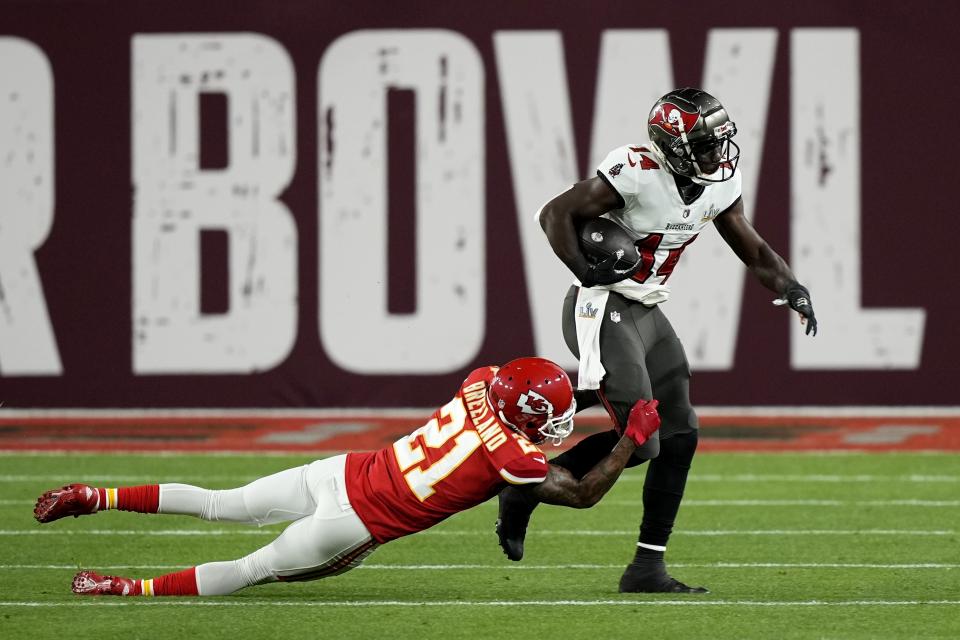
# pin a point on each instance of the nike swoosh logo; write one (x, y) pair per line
(541, 459)
(630, 160)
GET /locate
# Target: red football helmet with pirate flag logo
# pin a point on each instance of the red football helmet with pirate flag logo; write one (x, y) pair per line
(693, 135)
(534, 397)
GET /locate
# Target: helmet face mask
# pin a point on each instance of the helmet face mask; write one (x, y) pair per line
(534, 398)
(692, 133)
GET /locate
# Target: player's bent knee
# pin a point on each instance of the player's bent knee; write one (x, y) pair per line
(680, 448)
(677, 417)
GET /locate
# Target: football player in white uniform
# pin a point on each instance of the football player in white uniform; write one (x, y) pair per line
(664, 191)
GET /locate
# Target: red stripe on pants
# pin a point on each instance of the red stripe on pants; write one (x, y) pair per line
(324, 571)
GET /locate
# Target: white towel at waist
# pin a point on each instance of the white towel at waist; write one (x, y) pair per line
(590, 307)
(591, 304)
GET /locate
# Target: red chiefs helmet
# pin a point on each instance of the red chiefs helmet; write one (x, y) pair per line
(534, 397)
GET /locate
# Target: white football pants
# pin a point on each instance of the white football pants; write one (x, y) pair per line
(325, 539)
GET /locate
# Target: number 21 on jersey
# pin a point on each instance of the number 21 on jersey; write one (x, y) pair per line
(410, 450)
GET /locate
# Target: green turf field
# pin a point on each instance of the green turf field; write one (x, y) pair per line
(792, 546)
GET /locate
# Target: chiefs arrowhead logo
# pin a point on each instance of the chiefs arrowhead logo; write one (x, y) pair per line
(533, 403)
(673, 120)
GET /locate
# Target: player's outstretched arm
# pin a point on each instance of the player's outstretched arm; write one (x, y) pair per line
(771, 270)
(562, 488)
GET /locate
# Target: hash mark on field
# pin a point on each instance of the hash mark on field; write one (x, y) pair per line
(626, 601)
(472, 532)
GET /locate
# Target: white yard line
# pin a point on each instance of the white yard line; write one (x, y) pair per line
(628, 601)
(791, 503)
(630, 477)
(804, 477)
(259, 453)
(99, 480)
(723, 503)
(323, 453)
(472, 532)
(538, 567)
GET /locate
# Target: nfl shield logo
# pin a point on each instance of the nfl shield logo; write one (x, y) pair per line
(615, 316)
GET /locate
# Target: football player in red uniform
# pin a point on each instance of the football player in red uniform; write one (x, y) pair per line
(664, 191)
(343, 507)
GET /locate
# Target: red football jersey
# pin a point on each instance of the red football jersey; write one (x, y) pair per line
(459, 459)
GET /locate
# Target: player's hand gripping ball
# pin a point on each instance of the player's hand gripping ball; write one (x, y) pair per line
(611, 252)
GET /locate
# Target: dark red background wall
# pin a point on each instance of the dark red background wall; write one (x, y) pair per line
(910, 141)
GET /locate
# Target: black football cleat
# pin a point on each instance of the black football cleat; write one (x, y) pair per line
(652, 577)
(512, 520)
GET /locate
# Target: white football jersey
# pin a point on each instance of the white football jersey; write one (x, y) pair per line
(654, 212)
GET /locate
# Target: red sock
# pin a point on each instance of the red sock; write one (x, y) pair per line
(142, 499)
(181, 583)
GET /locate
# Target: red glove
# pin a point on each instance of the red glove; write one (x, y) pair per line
(643, 421)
